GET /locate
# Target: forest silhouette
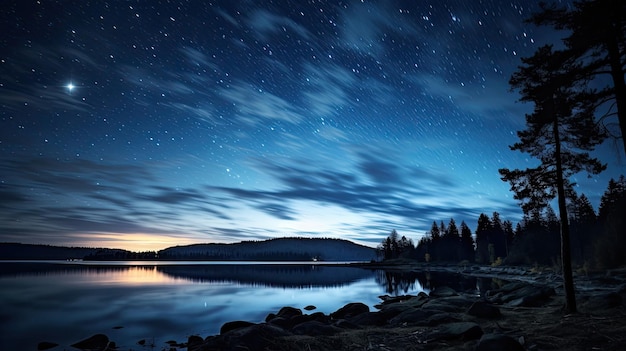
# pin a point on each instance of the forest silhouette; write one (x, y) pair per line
(573, 114)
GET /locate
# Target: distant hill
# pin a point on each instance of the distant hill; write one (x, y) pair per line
(281, 249)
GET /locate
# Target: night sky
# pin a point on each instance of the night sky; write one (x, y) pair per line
(142, 125)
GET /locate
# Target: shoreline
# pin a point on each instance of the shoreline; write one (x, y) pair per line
(525, 313)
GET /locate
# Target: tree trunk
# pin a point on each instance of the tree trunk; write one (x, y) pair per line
(617, 73)
(566, 255)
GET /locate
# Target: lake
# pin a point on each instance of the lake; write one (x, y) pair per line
(64, 302)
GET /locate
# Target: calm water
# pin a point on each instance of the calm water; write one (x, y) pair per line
(65, 302)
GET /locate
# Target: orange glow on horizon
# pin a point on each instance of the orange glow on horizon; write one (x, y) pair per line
(136, 242)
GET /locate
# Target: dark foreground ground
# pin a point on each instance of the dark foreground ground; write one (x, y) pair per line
(526, 314)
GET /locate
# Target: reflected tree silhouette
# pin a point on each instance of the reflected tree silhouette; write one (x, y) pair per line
(402, 283)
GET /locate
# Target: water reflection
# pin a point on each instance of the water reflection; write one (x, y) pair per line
(264, 275)
(65, 302)
(403, 283)
(267, 275)
(281, 276)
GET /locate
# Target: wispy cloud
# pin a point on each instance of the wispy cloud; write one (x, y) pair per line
(252, 105)
(492, 99)
(264, 23)
(328, 88)
(379, 188)
(363, 26)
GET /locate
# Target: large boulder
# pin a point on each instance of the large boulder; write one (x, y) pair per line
(532, 296)
(443, 291)
(281, 322)
(389, 311)
(370, 319)
(350, 310)
(318, 317)
(483, 309)
(314, 328)
(603, 301)
(521, 294)
(448, 304)
(288, 312)
(254, 337)
(507, 288)
(414, 316)
(441, 318)
(98, 342)
(194, 341)
(459, 330)
(228, 326)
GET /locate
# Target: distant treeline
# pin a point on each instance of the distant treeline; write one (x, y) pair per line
(16, 251)
(597, 240)
(280, 249)
(121, 255)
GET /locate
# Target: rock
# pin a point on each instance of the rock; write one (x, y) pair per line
(98, 342)
(228, 326)
(498, 342)
(45, 345)
(298, 319)
(521, 294)
(389, 311)
(320, 317)
(350, 310)
(531, 296)
(441, 318)
(288, 312)
(314, 328)
(603, 301)
(310, 308)
(484, 310)
(448, 304)
(254, 337)
(417, 301)
(370, 319)
(414, 316)
(270, 317)
(443, 291)
(394, 299)
(505, 289)
(344, 324)
(281, 322)
(193, 341)
(459, 330)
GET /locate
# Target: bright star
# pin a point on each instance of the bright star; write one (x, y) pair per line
(70, 87)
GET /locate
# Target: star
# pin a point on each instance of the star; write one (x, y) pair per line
(70, 86)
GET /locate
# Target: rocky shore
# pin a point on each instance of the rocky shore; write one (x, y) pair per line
(525, 314)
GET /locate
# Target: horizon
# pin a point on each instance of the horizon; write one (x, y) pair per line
(178, 245)
(151, 125)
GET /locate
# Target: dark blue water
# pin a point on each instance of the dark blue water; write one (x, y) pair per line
(65, 302)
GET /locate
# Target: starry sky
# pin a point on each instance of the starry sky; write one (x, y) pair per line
(147, 124)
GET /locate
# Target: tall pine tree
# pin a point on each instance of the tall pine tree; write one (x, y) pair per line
(560, 133)
(483, 230)
(467, 243)
(596, 40)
